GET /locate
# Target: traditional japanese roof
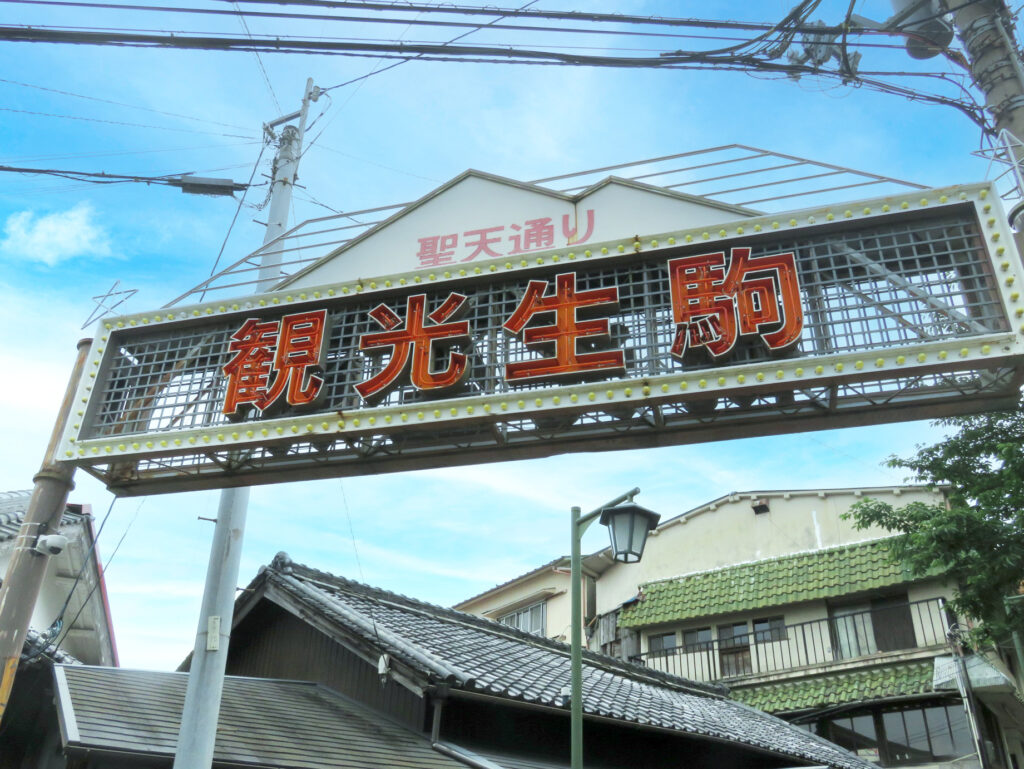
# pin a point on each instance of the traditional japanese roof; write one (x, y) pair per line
(862, 685)
(789, 579)
(14, 505)
(430, 645)
(263, 722)
(562, 560)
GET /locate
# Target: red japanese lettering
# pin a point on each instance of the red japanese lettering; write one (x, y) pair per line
(715, 300)
(483, 242)
(571, 234)
(412, 346)
(437, 250)
(276, 358)
(538, 234)
(565, 332)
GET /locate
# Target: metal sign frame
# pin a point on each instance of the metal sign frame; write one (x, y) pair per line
(969, 366)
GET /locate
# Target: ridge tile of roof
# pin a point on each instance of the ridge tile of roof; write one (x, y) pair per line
(14, 505)
(903, 680)
(806, 576)
(479, 655)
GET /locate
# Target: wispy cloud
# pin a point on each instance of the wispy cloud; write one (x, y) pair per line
(55, 237)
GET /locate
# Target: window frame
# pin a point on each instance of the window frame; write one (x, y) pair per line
(526, 611)
(660, 649)
(776, 631)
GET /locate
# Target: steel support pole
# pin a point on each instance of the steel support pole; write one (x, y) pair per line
(26, 569)
(578, 525)
(576, 647)
(197, 733)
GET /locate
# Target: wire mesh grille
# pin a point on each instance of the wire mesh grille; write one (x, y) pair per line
(864, 287)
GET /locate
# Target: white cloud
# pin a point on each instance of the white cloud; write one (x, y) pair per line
(53, 238)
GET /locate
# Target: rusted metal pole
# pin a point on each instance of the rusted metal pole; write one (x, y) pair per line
(27, 567)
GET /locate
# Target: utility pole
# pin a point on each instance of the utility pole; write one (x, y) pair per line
(985, 29)
(198, 730)
(25, 572)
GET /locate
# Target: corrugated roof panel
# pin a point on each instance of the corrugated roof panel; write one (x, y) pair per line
(290, 724)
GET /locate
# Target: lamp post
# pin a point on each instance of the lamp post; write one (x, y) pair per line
(628, 526)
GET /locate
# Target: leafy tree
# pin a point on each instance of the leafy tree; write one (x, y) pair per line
(978, 542)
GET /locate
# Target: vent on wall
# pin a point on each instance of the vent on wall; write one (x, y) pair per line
(760, 505)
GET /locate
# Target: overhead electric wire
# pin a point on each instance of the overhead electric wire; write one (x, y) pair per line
(756, 54)
(106, 566)
(119, 153)
(259, 61)
(234, 218)
(695, 23)
(120, 123)
(120, 103)
(101, 177)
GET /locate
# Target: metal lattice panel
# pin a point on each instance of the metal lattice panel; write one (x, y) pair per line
(907, 313)
(906, 279)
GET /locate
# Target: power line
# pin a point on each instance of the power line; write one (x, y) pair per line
(120, 103)
(100, 177)
(686, 23)
(119, 153)
(117, 122)
(234, 218)
(259, 61)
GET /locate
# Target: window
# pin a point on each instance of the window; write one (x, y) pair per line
(912, 733)
(734, 649)
(879, 625)
(769, 629)
(665, 642)
(698, 640)
(530, 619)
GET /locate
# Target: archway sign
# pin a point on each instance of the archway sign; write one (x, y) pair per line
(552, 331)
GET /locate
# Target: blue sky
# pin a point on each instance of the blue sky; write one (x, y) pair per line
(440, 535)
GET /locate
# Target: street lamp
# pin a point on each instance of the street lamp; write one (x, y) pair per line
(628, 525)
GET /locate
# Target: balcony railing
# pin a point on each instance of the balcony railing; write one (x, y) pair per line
(893, 627)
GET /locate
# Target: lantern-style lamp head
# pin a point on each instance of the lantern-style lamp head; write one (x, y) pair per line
(628, 525)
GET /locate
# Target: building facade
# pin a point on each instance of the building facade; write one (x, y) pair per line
(779, 597)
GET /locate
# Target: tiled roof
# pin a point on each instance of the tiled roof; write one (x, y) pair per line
(14, 504)
(543, 567)
(788, 579)
(263, 722)
(874, 683)
(435, 645)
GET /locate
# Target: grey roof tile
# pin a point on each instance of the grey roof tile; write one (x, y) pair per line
(477, 654)
(293, 724)
(14, 504)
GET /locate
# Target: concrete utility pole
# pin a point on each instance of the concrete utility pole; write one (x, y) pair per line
(27, 567)
(986, 31)
(198, 731)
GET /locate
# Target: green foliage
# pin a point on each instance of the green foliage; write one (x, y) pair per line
(978, 542)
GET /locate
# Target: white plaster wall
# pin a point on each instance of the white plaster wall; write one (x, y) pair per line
(557, 611)
(620, 212)
(732, 533)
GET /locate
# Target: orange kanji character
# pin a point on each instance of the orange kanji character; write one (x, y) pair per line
(249, 371)
(564, 332)
(412, 346)
(713, 306)
(290, 349)
(299, 353)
